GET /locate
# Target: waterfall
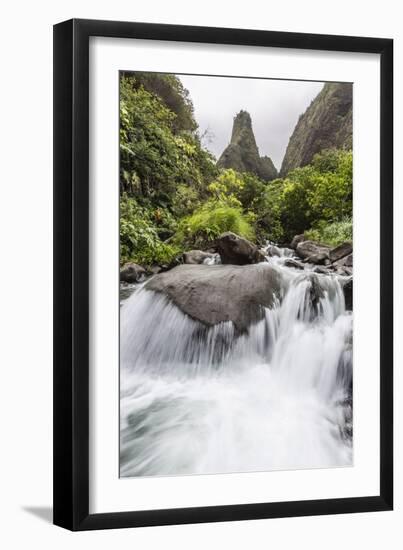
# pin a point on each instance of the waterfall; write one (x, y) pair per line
(198, 400)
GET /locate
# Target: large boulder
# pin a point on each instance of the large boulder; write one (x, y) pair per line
(219, 293)
(236, 250)
(196, 257)
(310, 249)
(341, 251)
(296, 240)
(132, 273)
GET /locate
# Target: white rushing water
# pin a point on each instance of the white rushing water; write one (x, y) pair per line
(197, 400)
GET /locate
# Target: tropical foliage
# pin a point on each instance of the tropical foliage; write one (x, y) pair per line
(315, 194)
(140, 234)
(173, 197)
(210, 220)
(332, 233)
(155, 155)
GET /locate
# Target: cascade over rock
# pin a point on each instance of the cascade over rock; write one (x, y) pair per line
(276, 394)
(326, 124)
(242, 154)
(215, 294)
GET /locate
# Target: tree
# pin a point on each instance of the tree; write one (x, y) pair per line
(155, 157)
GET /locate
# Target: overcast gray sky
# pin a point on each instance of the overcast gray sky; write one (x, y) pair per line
(274, 106)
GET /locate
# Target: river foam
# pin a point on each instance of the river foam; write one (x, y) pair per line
(197, 400)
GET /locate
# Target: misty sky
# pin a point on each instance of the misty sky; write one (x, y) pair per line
(274, 106)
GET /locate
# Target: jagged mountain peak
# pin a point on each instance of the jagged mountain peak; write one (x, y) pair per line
(242, 154)
(242, 121)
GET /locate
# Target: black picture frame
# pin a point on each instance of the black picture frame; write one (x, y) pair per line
(71, 274)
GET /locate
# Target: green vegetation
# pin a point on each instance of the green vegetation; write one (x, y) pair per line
(326, 124)
(173, 196)
(155, 154)
(315, 195)
(209, 221)
(333, 233)
(169, 89)
(140, 234)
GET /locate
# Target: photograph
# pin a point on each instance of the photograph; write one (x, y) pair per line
(236, 274)
(191, 359)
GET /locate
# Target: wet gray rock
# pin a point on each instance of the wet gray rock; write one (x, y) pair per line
(296, 240)
(348, 294)
(309, 249)
(323, 270)
(236, 250)
(196, 257)
(290, 262)
(321, 258)
(132, 273)
(316, 292)
(178, 260)
(219, 293)
(273, 251)
(347, 261)
(340, 251)
(154, 269)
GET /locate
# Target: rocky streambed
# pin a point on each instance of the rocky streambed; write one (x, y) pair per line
(238, 359)
(236, 278)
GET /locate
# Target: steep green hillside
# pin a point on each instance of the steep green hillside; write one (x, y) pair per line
(326, 124)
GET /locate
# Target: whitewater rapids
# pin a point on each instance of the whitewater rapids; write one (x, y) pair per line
(202, 401)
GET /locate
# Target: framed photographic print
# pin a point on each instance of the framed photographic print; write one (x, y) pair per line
(217, 194)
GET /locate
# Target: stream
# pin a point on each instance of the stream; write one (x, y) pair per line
(197, 400)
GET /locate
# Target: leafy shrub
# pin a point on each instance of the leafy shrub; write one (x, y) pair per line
(332, 234)
(139, 238)
(253, 193)
(308, 196)
(185, 200)
(164, 221)
(227, 187)
(268, 211)
(210, 220)
(245, 190)
(250, 194)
